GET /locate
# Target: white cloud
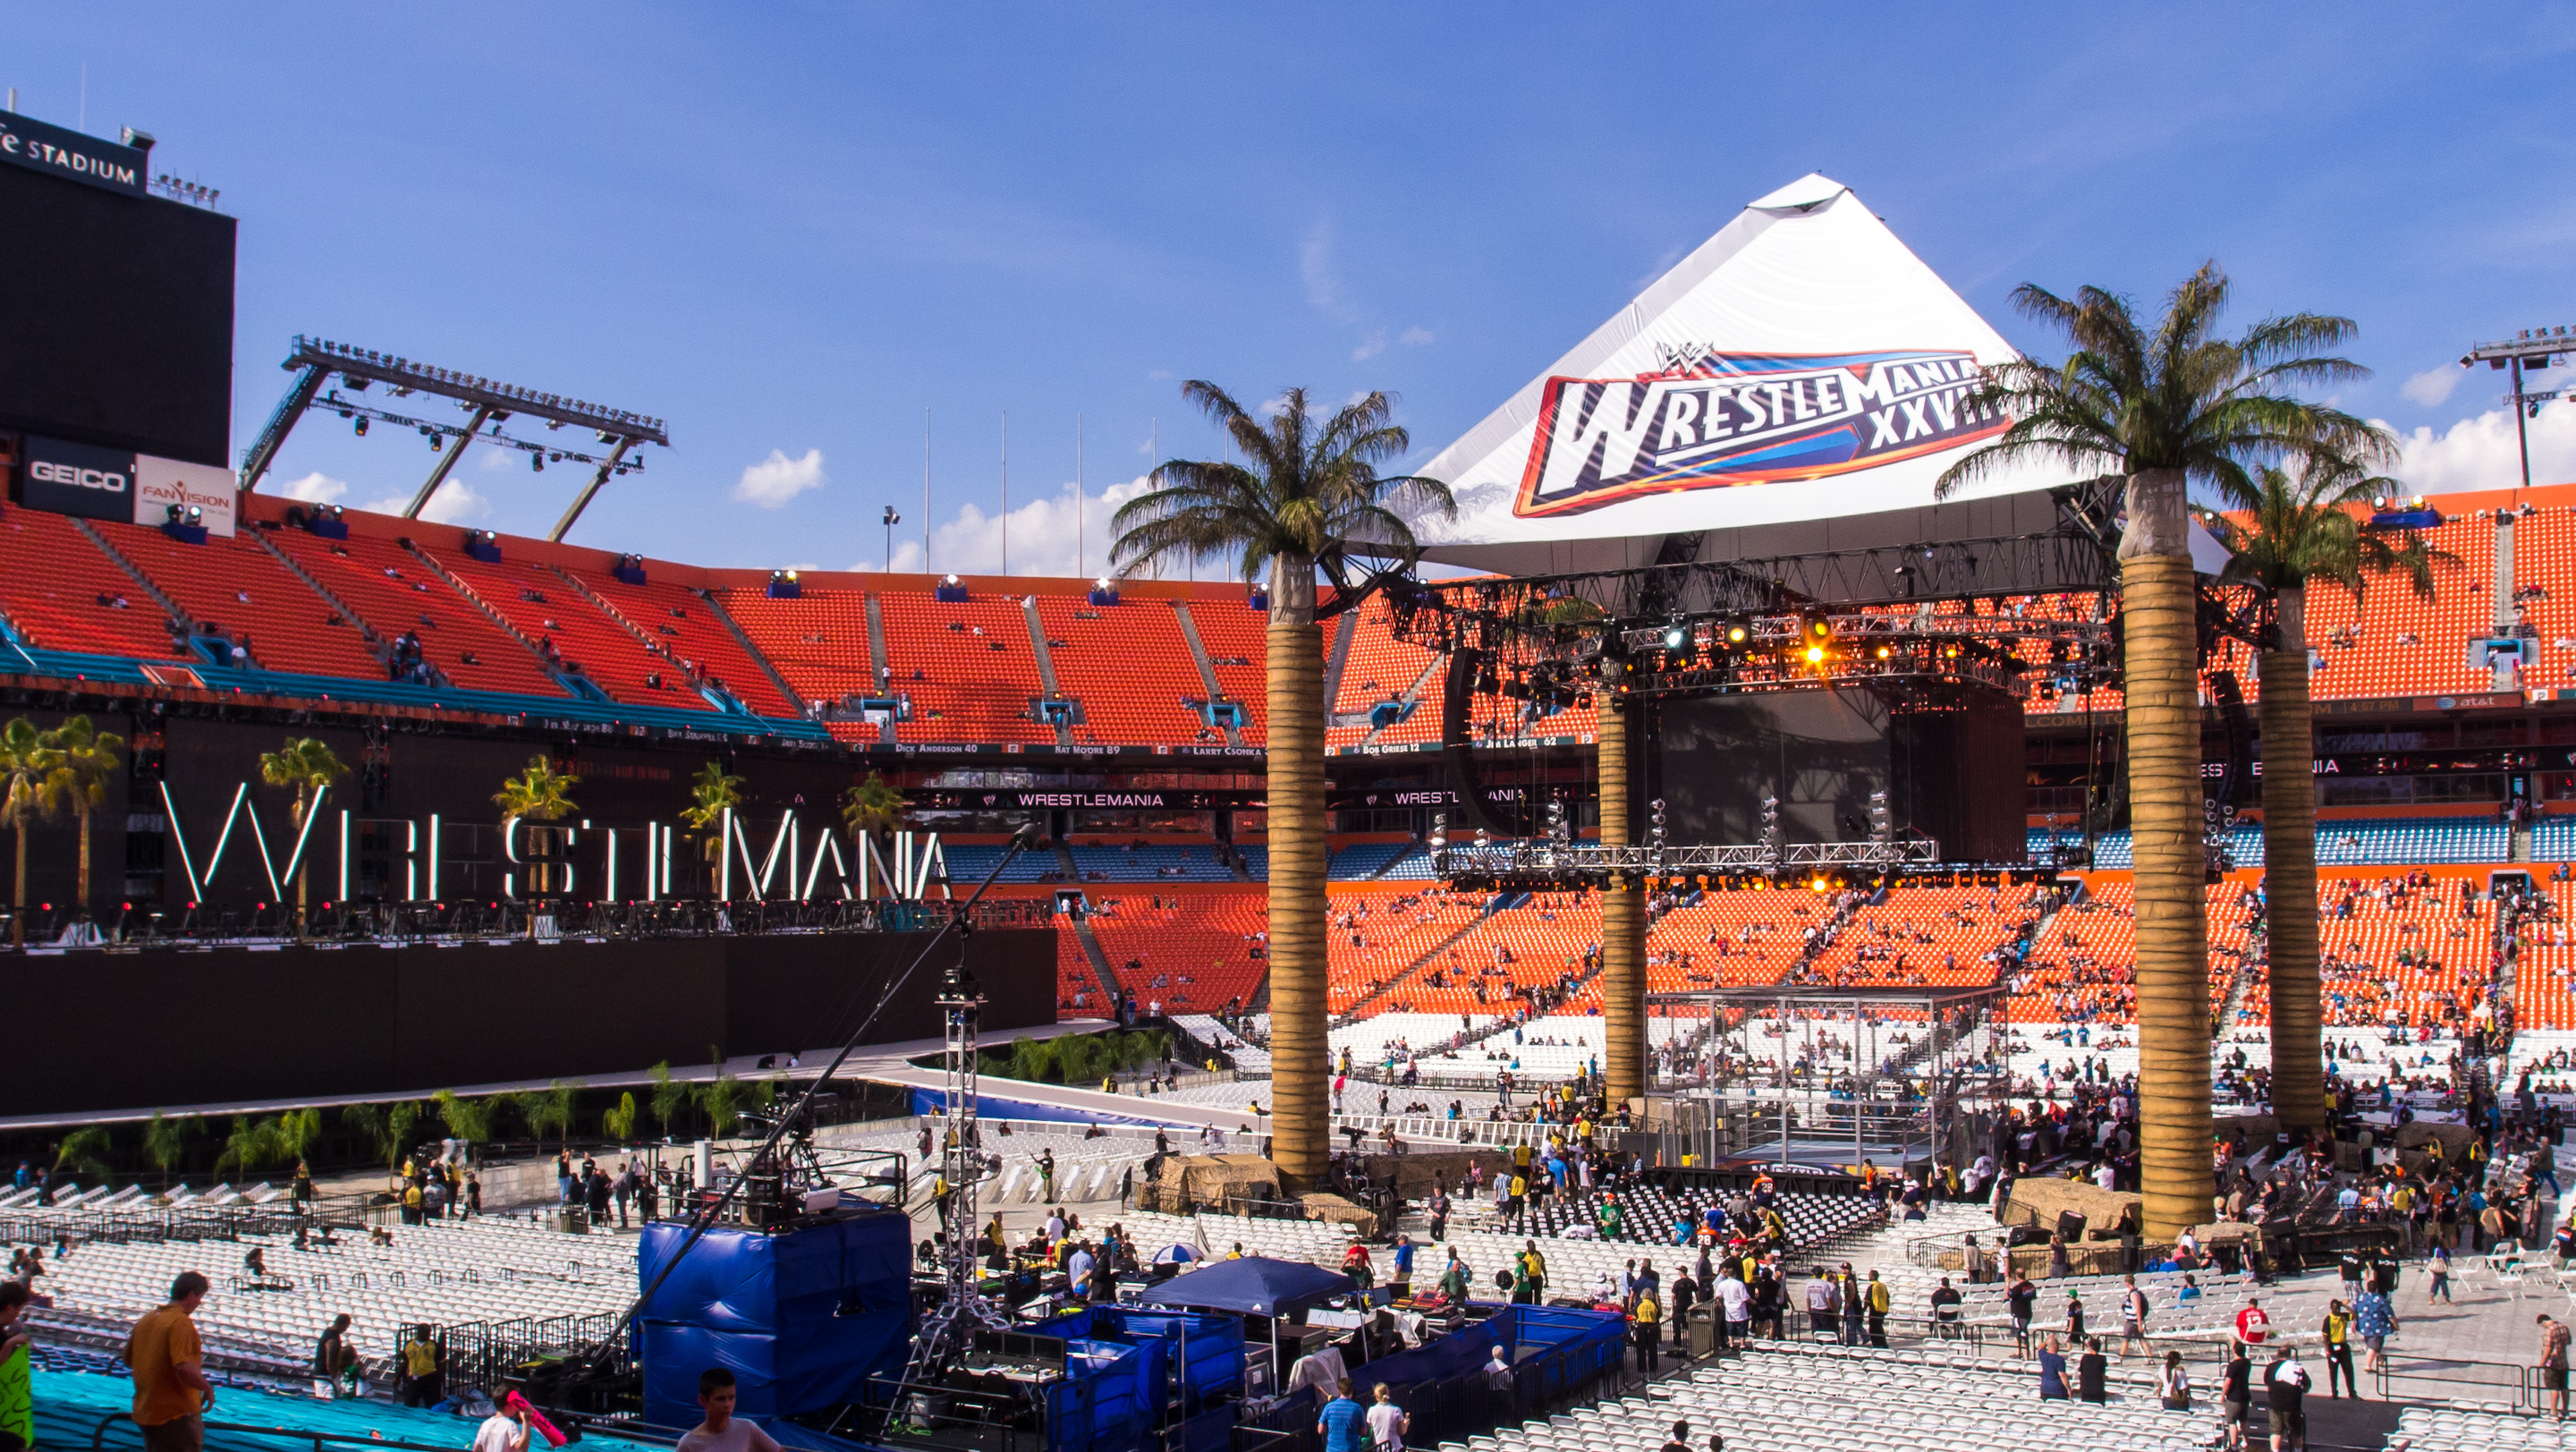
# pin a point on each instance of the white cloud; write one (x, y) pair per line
(454, 503)
(2433, 385)
(2482, 453)
(314, 488)
(774, 481)
(1370, 346)
(1047, 538)
(1414, 337)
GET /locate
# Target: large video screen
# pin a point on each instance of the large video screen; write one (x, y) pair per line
(1951, 765)
(119, 317)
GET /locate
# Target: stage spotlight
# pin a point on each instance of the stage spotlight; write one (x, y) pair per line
(362, 426)
(1676, 635)
(1737, 634)
(1882, 652)
(1820, 629)
(536, 463)
(1815, 654)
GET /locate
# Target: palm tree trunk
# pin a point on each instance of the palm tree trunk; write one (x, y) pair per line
(301, 868)
(2290, 871)
(18, 898)
(2160, 661)
(84, 860)
(1623, 919)
(1300, 1122)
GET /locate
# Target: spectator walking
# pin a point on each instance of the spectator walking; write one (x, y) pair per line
(2173, 1387)
(1344, 1423)
(171, 1393)
(1387, 1422)
(2285, 1390)
(2236, 1397)
(2553, 1364)
(2374, 1318)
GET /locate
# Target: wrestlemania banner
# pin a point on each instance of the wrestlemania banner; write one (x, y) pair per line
(1716, 419)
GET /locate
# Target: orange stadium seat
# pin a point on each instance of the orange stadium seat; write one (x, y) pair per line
(588, 642)
(236, 584)
(394, 592)
(55, 581)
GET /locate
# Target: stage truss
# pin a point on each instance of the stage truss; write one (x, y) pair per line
(1800, 1076)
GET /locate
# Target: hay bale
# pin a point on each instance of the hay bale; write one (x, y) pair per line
(2038, 1203)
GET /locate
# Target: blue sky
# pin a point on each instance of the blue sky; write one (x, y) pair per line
(790, 229)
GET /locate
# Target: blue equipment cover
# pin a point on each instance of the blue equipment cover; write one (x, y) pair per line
(1206, 1352)
(801, 1319)
(1110, 1399)
(1255, 1285)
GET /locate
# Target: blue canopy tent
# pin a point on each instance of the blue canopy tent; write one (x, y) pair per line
(1256, 1285)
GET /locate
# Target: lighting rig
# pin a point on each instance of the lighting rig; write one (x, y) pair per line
(1553, 654)
(2530, 351)
(487, 402)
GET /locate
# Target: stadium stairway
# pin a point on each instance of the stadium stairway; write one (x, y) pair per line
(1098, 960)
(1207, 668)
(1045, 659)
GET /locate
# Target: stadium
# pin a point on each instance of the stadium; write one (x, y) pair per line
(1803, 860)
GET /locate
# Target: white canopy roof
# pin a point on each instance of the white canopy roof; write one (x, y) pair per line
(1801, 366)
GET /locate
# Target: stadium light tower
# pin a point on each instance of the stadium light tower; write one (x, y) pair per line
(891, 520)
(2531, 350)
(315, 361)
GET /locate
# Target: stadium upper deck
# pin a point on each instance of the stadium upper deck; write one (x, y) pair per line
(1019, 665)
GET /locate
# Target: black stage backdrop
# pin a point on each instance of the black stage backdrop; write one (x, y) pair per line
(132, 1030)
(1950, 763)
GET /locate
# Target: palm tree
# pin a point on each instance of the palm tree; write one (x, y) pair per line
(538, 794)
(470, 1119)
(553, 1110)
(88, 759)
(165, 1142)
(298, 1130)
(84, 1151)
(2166, 405)
(669, 1096)
(250, 1145)
(1307, 495)
(31, 781)
(308, 766)
(2297, 529)
(872, 808)
(712, 793)
(619, 1123)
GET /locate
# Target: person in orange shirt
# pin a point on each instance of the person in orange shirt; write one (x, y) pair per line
(171, 1393)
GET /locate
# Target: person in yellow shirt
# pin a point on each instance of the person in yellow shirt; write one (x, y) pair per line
(1645, 1332)
(171, 1393)
(2338, 1335)
(422, 1375)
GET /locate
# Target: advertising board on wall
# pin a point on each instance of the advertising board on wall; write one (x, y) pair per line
(63, 477)
(63, 152)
